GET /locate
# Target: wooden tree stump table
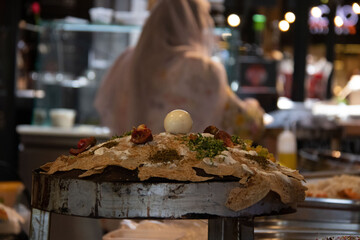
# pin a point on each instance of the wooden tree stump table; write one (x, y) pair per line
(73, 196)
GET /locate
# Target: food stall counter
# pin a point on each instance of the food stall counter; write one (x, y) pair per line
(39, 144)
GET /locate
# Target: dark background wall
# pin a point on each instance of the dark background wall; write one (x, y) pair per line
(9, 16)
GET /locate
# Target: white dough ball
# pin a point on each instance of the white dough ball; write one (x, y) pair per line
(178, 122)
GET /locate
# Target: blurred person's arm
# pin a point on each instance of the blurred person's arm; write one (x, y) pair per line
(243, 118)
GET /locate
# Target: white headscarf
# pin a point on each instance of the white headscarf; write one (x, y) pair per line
(170, 68)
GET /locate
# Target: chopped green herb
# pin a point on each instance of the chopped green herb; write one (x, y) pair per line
(123, 135)
(245, 144)
(239, 141)
(205, 146)
(264, 152)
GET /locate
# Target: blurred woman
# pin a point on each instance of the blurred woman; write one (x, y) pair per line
(171, 68)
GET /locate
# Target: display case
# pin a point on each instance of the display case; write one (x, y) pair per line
(72, 60)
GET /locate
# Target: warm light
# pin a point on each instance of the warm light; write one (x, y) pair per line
(285, 103)
(337, 89)
(268, 119)
(290, 17)
(356, 8)
(234, 86)
(233, 20)
(352, 86)
(354, 83)
(284, 25)
(225, 36)
(338, 21)
(316, 12)
(277, 55)
(336, 154)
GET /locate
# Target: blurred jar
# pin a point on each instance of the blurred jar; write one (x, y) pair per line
(287, 149)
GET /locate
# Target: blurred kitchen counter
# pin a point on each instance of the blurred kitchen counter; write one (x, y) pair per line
(351, 127)
(42, 144)
(76, 131)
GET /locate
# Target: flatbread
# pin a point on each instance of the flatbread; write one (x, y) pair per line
(170, 156)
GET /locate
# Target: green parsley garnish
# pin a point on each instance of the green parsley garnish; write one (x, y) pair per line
(264, 152)
(205, 147)
(245, 144)
(123, 135)
(239, 141)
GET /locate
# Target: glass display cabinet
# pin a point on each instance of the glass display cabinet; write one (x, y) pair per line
(72, 59)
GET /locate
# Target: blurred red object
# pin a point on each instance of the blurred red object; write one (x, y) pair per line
(316, 86)
(35, 8)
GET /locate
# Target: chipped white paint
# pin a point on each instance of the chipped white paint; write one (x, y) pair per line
(81, 197)
(40, 225)
(142, 200)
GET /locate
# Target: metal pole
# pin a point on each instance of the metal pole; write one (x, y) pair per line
(39, 225)
(300, 49)
(230, 229)
(330, 45)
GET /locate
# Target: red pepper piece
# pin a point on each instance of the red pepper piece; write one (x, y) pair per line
(225, 137)
(141, 135)
(83, 145)
(211, 129)
(193, 137)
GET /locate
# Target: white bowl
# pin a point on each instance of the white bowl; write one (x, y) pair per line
(62, 117)
(101, 15)
(130, 18)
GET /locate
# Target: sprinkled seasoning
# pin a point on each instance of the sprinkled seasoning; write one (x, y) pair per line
(261, 160)
(165, 155)
(110, 144)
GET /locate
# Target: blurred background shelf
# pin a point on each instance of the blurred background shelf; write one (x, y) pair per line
(90, 27)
